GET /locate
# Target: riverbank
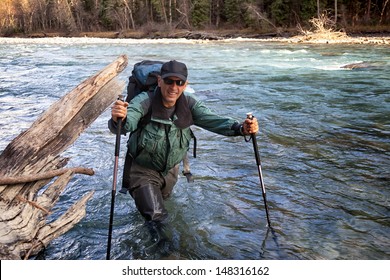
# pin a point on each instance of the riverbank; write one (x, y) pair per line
(377, 38)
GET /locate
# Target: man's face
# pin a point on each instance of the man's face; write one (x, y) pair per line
(171, 89)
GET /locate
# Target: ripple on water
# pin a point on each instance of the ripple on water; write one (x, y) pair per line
(324, 145)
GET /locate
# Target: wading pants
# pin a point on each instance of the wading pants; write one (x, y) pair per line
(149, 189)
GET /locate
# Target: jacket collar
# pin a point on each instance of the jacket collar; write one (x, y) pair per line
(182, 110)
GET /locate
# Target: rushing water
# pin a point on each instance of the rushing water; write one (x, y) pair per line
(324, 143)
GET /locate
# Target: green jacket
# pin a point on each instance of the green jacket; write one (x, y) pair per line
(165, 139)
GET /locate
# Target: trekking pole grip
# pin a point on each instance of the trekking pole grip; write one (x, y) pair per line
(254, 140)
(118, 131)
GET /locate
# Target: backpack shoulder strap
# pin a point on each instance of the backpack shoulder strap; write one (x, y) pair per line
(132, 89)
(148, 116)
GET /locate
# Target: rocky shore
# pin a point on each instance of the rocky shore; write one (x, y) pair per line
(381, 38)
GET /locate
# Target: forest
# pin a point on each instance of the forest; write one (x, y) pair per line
(72, 17)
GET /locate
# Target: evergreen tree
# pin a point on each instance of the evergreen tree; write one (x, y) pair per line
(280, 12)
(200, 16)
(232, 11)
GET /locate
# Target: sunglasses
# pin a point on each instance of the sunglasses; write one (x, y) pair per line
(179, 83)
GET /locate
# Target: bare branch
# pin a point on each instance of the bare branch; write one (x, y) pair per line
(42, 176)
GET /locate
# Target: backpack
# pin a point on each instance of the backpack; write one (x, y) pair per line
(144, 78)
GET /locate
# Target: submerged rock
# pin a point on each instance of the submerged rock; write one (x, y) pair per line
(363, 65)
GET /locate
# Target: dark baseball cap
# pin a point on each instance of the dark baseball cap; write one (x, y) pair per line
(174, 68)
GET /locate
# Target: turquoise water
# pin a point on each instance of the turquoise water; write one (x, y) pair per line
(324, 143)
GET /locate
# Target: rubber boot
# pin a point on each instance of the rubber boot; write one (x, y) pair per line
(160, 238)
(149, 202)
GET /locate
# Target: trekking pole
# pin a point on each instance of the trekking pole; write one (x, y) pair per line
(258, 162)
(113, 192)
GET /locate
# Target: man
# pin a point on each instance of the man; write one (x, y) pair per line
(157, 148)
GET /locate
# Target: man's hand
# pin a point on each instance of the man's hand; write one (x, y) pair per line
(119, 110)
(250, 126)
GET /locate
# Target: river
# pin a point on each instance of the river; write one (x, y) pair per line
(324, 143)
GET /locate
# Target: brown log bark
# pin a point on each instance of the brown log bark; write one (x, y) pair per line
(24, 230)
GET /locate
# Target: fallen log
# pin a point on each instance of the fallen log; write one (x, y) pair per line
(24, 230)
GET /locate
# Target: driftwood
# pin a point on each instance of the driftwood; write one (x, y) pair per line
(24, 230)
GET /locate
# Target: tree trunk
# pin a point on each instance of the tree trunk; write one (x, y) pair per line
(70, 22)
(318, 8)
(24, 230)
(164, 11)
(383, 11)
(368, 11)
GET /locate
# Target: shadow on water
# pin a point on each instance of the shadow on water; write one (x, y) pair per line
(177, 239)
(162, 242)
(271, 243)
